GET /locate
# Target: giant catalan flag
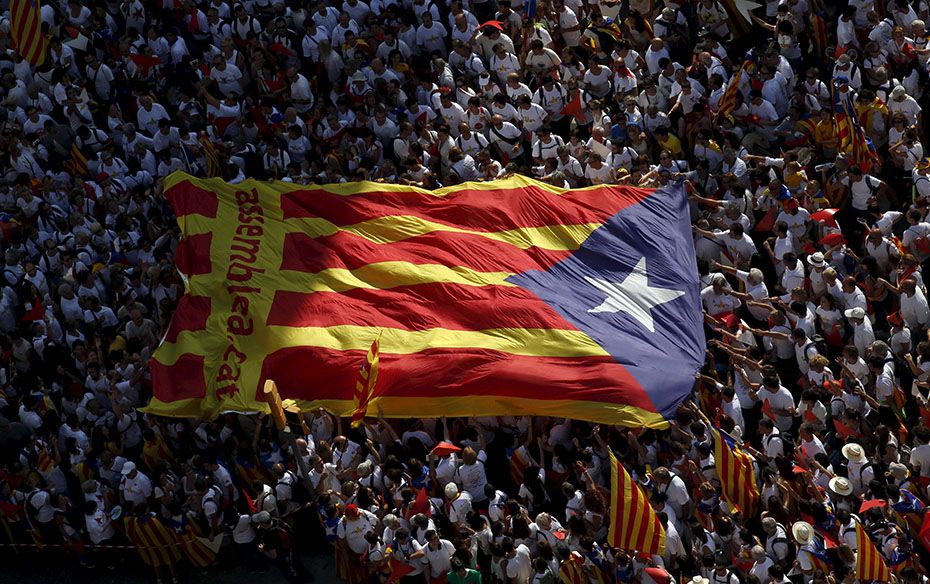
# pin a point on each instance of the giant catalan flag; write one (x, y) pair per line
(26, 30)
(506, 297)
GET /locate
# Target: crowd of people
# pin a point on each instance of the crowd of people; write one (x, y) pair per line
(810, 257)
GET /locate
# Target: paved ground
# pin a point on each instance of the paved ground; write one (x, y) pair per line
(37, 569)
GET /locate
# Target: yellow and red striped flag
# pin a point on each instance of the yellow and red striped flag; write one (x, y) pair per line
(76, 165)
(155, 543)
(634, 525)
(870, 565)
(727, 102)
(365, 384)
(571, 570)
(26, 30)
(736, 472)
(509, 297)
(210, 156)
(195, 547)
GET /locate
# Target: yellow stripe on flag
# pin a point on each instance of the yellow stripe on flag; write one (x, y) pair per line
(394, 228)
(539, 342)
(387, 275)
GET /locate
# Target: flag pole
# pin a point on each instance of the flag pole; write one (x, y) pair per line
(277, 412)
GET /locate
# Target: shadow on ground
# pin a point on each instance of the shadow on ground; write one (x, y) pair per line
(34, 568)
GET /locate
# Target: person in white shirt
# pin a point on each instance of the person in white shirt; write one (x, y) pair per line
(859, 469)
(518, 561)
(354, 525)
(738, 246)
(914, 307)
(920, 453)
(780, 402)
(674, 488)
(507, 138)
(408, 550)
(99, 526)
(134, 487)
(459, 504)
(862, 328)
(437, 554)
(431, 36)
(718, 299)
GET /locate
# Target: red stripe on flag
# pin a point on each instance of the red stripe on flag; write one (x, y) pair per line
(468, 209)
(183, 380)
(418, 307)
(300, 371)
(193, 254)
(187, 199)
(191, 315)
(303, 253)
(637, 535)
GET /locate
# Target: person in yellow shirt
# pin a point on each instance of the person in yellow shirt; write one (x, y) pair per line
(795, 177)
(825, 135)
(669, 141)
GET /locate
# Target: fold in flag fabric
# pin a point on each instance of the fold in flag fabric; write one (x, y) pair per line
(634, 525)
(510, 297)
(365, 384)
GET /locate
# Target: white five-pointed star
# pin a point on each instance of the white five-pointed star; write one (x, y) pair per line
(633, 295)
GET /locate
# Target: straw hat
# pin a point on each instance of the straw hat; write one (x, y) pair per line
(854, 453)
(803, 532)
(841, 486)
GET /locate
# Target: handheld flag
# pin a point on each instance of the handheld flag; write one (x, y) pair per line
(365, 384)
(911, 510)
(819, 33)
(76, 165)
(144, 62)
(727, 102)
(634, 525)
(398, 569)
(870, 565)
(209, 154)
(420, 505)
(510, 297)
(26, 30)
(155, 543)
(736, 472)
(573, 108)
(818, 554)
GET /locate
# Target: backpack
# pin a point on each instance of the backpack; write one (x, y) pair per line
(300, 492)
(10, 278)
(818, 342)
(792, 550)
(922, 243)
(216, 495)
